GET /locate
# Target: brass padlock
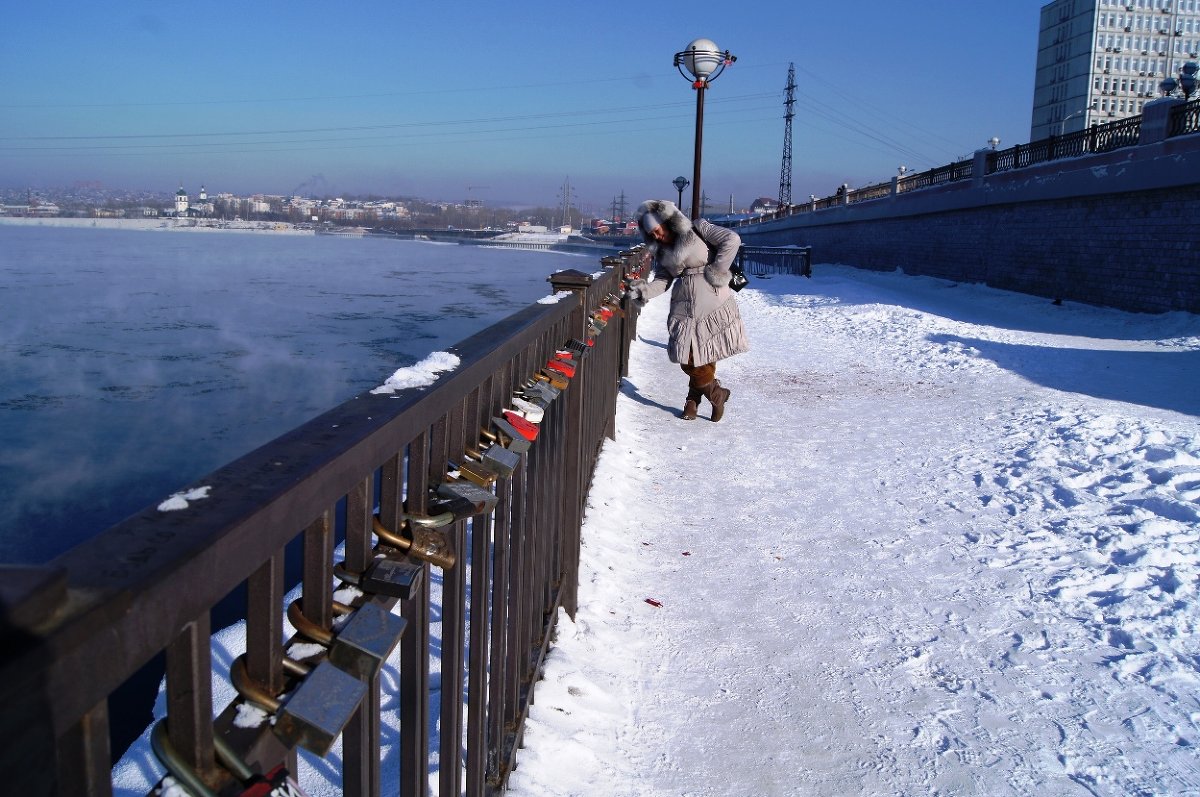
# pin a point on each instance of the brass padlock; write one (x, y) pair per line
(276, 783)
(473, 471)
(428, 545)
(557, 380)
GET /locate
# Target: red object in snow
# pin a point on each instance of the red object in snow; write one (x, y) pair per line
(654, 603)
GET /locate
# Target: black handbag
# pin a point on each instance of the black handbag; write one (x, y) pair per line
(739, 279)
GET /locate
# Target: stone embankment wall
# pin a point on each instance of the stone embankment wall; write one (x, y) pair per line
(1119, 229)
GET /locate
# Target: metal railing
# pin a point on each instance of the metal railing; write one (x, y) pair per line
(759, 261)
(378, 470)
(1183, 120)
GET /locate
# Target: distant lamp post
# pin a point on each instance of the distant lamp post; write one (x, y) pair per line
(902, 170)
(994, 142)
(1062, 126)
(704, 63)
(680, 183)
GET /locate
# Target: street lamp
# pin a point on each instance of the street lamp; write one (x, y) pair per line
(680, 183)
(1062, 126)
(704, 63)
(1185, 83)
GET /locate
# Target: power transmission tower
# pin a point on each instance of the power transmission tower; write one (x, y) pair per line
(566, 202)
(785, 173)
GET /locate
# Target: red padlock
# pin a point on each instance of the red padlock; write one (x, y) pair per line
(561, 367)
(523, 425)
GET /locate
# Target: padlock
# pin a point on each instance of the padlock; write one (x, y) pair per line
(553, 377)
(549, 391)
(363, 644)
(507, 435)
(317, 709)
(531, 411)
(276, 783)
(391, 577)
(473, 471)
(578, 346)
(460, 508)
(561, 367)
(534, 396)
(526, 429)
(428, 545)
(497, 458)
(484, 500)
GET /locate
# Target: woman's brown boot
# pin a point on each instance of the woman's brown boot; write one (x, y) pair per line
(691, 405)
(717, 396)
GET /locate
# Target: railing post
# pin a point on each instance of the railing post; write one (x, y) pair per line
(578, 283)
(32, 761)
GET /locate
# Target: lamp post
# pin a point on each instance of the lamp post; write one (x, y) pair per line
(1185, 84)
(1062, 126)
(704, 63)
(680, 183)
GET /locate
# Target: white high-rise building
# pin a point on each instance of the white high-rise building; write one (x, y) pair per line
(1102, 60)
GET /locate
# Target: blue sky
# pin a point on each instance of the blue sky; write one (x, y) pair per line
(510, 99)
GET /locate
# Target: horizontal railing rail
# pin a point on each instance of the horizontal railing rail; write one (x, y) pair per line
(418, 479)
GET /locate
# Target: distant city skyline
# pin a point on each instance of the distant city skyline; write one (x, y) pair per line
(501, 106)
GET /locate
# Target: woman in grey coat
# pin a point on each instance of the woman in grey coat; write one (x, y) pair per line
(704, 323)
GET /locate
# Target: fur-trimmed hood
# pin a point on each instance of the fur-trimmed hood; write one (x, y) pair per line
(672, 218)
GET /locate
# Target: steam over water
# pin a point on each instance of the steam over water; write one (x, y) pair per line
(133, 362)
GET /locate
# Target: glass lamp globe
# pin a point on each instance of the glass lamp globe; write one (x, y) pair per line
(703, 57)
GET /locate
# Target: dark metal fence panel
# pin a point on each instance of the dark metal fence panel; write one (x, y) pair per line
(1184, 119)
(103, 609)
(760, 261)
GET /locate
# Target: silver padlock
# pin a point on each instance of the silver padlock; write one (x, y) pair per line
(364, 643)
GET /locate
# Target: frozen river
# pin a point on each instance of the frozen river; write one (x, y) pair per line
(134, 361)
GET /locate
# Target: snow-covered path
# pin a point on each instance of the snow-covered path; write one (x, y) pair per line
(946, 541)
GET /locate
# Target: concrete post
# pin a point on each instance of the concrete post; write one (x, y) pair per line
(979, 166)
(1156, 117)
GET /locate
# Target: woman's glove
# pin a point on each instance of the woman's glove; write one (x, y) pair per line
(639, 292)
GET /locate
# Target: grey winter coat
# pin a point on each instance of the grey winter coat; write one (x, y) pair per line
(704, 323)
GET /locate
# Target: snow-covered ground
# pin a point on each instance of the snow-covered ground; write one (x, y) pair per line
(945, 541)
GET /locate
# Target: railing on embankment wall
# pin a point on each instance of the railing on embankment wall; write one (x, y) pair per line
(1105, 216)
(370, 469)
